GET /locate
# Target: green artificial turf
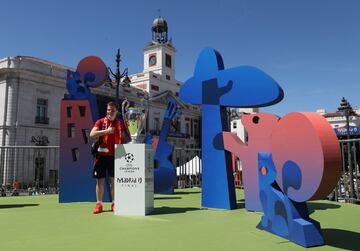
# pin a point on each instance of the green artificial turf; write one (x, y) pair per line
(177, 223)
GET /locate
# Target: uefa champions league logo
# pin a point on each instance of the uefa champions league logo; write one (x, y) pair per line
(129, 157)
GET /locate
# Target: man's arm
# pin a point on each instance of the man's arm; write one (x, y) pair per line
(96, 133)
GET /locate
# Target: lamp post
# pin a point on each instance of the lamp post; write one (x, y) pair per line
(347, 111)
(118, 76)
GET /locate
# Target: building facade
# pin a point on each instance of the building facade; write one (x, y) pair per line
(237, 128)
(338, 122)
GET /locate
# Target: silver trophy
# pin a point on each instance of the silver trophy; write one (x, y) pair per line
(135, 118)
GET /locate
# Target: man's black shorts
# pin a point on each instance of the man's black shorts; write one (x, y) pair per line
(103, 165)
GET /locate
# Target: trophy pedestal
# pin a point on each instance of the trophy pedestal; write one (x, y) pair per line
(134, 179)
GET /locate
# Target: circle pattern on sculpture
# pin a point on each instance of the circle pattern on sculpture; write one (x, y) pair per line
(129, 157)
(93, 71)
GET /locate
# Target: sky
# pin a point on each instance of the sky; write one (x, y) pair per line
(311, 48)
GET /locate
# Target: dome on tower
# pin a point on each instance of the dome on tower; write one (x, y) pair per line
(159, 30)
(159, 25)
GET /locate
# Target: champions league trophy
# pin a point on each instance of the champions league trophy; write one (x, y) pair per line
(134, 162)
(135, 119)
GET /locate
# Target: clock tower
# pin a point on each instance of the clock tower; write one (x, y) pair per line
(159, 54)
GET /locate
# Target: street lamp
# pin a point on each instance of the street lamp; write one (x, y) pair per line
(118, 76)
(347, 111)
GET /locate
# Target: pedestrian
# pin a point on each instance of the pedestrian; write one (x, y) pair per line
(110, 130)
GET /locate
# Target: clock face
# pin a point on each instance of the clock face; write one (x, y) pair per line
(152, 60)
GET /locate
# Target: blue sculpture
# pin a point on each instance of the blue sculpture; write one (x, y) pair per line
(148, 139)
(283, 216)
(215, 88)
(79, 110)
(79, 90)
(165, 173)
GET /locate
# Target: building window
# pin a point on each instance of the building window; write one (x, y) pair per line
(187, 129)
(196, 130)
(234, 125)
(39, 171)
(156, 124)
(192, 128)
(168, 60)
(53, 177)
(178, 126)
(175, 126)
(167, 77)
(41, 111)
(154, 88)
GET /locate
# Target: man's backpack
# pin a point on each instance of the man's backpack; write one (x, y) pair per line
(94, 147)
(96, 144)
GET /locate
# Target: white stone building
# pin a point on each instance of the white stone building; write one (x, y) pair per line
(158, 76)
(236, 126)
(337, 121)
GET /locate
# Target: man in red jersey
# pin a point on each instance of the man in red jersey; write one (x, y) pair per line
(109, 129)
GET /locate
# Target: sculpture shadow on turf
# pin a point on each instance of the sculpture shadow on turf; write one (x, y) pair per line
(344, 239)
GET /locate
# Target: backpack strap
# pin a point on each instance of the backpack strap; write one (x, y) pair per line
(101, 123)
(96, 143)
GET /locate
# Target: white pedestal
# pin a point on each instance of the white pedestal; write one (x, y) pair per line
(134, 179)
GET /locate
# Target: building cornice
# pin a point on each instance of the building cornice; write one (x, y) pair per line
(153, 45)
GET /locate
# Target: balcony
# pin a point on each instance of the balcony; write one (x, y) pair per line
(41, 120)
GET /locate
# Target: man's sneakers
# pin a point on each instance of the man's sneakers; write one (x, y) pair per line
(98, 208)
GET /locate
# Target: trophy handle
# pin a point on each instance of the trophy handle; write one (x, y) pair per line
(124, 107)
(143, 119)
